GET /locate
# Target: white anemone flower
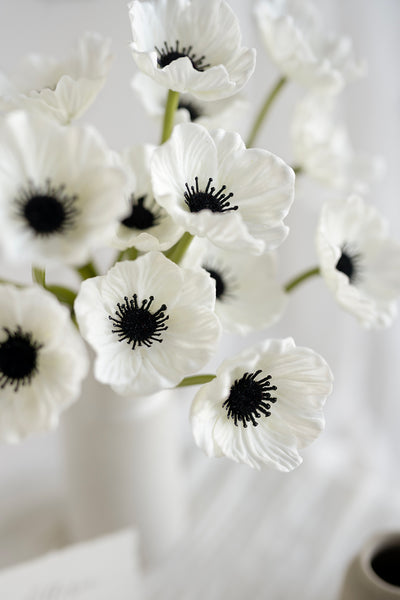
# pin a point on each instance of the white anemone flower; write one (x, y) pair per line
(302, 48)
(150, 322)
(248, 294)
(264, 405)
(360, 263)
(146, 225)
(60, 196)
(225, 113)
(191, 46)
(214, 187)
(62, 89)
(323, 149)
(43, 361)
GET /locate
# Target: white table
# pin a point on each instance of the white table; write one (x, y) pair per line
(252, 534)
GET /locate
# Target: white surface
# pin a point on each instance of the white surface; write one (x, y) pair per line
(86, 572)
(253, 535)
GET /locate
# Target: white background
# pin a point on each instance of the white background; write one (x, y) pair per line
(311, 521)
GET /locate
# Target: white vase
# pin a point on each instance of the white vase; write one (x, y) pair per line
(123, 467)
(374, 574)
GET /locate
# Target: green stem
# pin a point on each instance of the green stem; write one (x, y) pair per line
(39, 276)
(14, 283)
(196, 380)
(272, 95)
(293, 283)
(63, 294)
(169, 115)
(298, 169)
(128, 254)
(176, 253)
(87, 271)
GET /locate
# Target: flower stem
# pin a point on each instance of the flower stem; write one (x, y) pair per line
(293, 283)
(128, 254)
(14, 283)
(39, 276)
(272, 95)
(195, 380)
(87, 271)
(298, 169)
(177, 252)
(169, 114)
(63, 294)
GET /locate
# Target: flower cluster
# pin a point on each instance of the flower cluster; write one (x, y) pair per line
(194, 223)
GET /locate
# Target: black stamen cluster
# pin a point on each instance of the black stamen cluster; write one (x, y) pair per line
(198, 200)
(47, 209)
(349, 263)
(135, 324)
(194, 111)
(18, 358)
(141, 216)
(250, 399)
(219, 283)
(167, 54)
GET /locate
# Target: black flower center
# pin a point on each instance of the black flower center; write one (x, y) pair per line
(349, 264)
(135, 324)
(141, 216)
(198, 200)
(219, 282)
(47, 210)
(167, 54)
(250, 399)
(18, 358)
(226, 283)
(194, 111)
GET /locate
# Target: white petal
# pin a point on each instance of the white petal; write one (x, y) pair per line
(189, 153)
(210, 31)
(354, 227)
(301, 381)
(302, 48)
(185, 342)
(73, 166)
(163, 232)
(34, 404)
(62, 89)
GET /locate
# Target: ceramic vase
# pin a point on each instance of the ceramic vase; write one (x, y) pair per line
(123, 467)
(374, 574)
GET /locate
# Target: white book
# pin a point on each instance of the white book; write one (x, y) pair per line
(101, 569)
